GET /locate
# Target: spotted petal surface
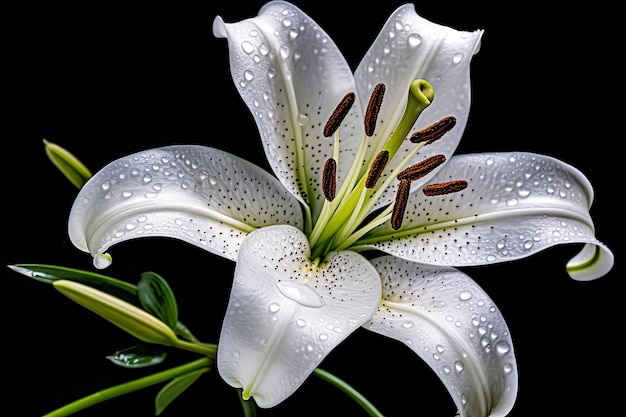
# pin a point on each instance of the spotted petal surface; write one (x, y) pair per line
(410, 47)
(515, 205)
(200, 195)
(285, 315)
(291, 75)
(453, 325)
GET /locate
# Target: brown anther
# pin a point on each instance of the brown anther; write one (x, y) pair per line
(341, 111)
(329, 179)
(373, 108)
(422, 168)
(444, 188)
(435, 131)
(376, 169)
(402, 197)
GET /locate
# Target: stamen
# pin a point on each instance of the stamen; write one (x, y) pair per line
(329, 179)
(402, 197)
(373, 108)
(444, 188)
(341, 111)
(422, 168)
(376, 169)
(435, 131)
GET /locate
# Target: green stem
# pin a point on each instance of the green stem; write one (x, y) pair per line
(249, 410)
(128, 387)
(351, 392)
(207, 349)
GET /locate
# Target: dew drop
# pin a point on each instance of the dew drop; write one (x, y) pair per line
(248, 75)
(508, 368)
(247, 47)
(502, 347)
(523, 192)
(512, 201)
(300, 293)
(303, 119)
(414, 40)
(408, 324)
(323, 336)
(528, 244)
(300, 323)
(106, 185)
(465, 295)
(457, 58)
(274, 307)
(459, 366)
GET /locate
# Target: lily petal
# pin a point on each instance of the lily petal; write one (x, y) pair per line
(516, 204)
(410, 47)
(453, 325)
(200, 195)
(291, 75)
(285, 314)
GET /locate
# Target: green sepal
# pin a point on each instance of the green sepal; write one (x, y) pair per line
(138, 356)
(157, 298)
(70, 166)
(175, 387)
(124, 315)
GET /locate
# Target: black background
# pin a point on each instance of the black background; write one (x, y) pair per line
(106, 80)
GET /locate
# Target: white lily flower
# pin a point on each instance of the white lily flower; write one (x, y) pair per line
(347, 180)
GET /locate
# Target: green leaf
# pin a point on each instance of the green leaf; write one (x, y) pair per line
(157, 298)
(175, 387)
(139, 356)
(126, 316)
(67, 163)
(51, 273)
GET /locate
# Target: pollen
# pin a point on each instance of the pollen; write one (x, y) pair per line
(444, 188)
(402, 197)
(373, 108)
(435, 131)
(341, 111)
(422, 168)
(329, 179)
(376, 169)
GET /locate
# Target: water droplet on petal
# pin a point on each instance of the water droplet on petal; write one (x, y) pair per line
(300, 293)
(508, 368)
(274, 307)
(502, 347)
(414, 40)
(465, 295)
(247, 47)
(457, 58)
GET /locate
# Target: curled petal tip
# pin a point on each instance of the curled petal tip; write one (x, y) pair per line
(219, 30)
(592, 262)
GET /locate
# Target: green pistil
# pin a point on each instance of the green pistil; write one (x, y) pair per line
(340, 219)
